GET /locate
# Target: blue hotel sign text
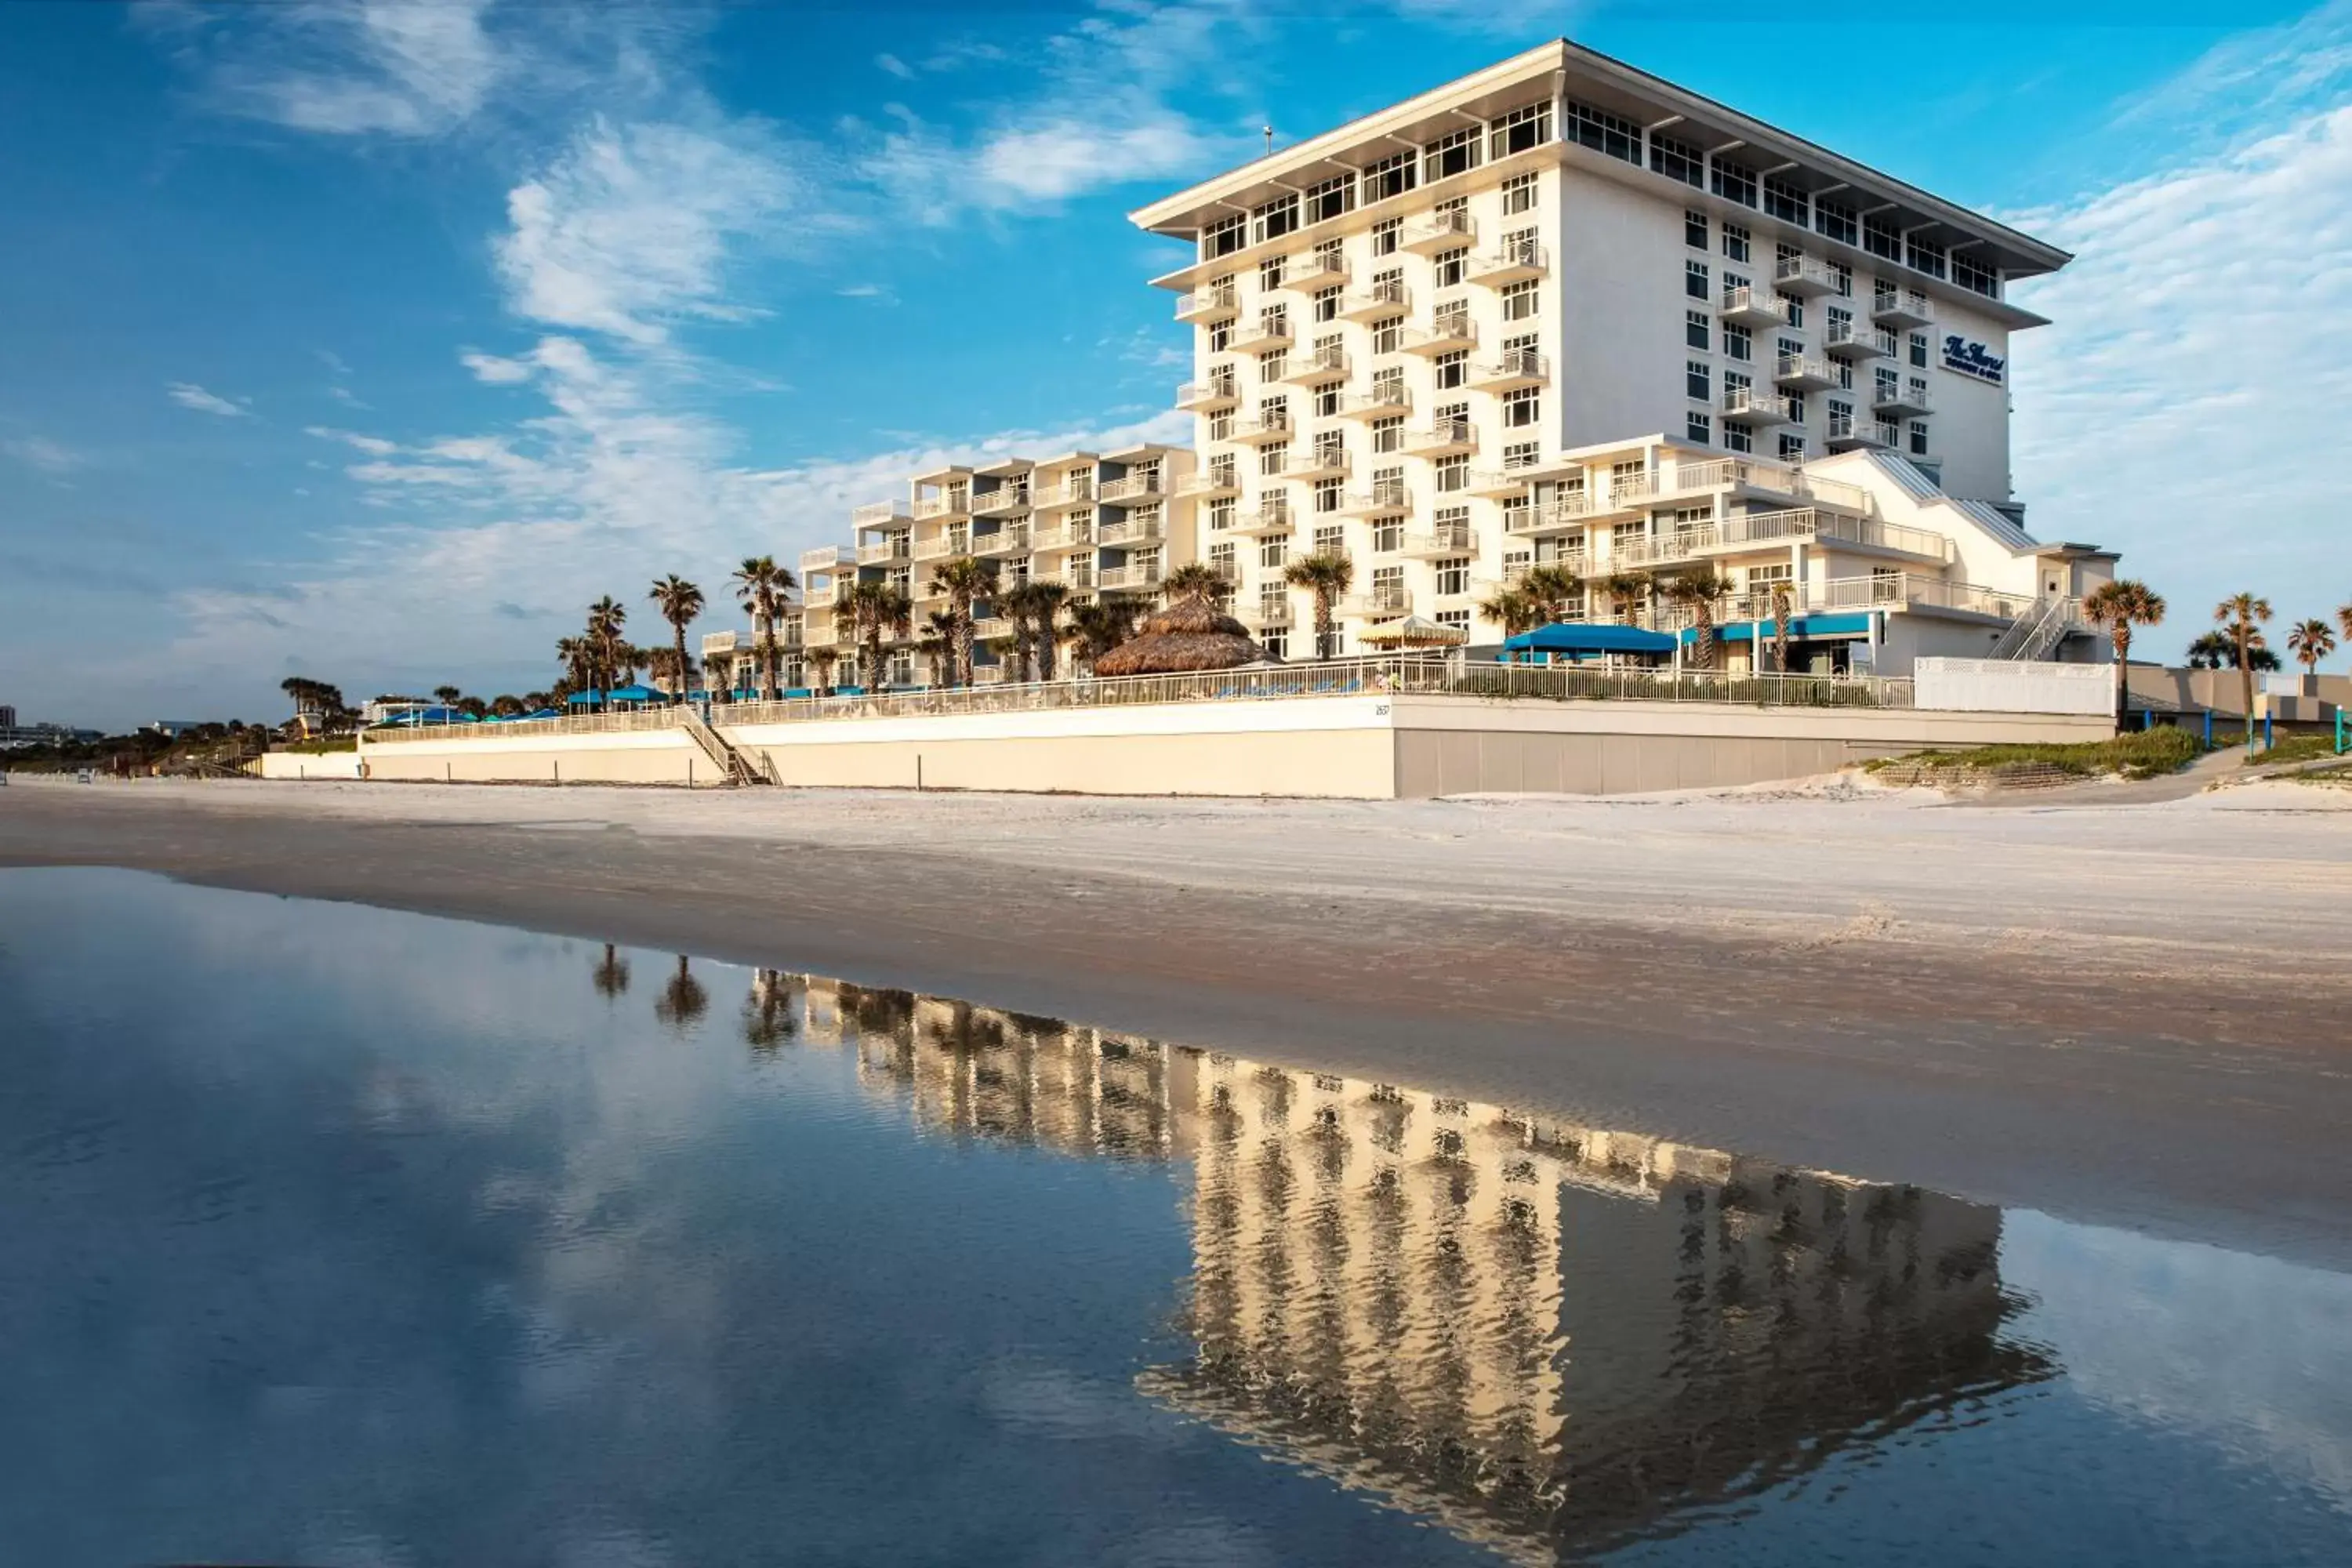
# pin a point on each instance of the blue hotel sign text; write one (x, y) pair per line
(1974, 359)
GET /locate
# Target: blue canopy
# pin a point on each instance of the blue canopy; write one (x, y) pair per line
(1799, 627)
(618, 694)
(1581, 638)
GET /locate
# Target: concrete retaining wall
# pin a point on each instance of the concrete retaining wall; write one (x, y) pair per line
(630, 757)
(304, 765)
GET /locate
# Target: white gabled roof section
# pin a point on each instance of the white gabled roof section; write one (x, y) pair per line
(1988, 548)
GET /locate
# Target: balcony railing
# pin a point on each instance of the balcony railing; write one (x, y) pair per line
(1207, 397)
(1804, 275)
(1803, 373)
(1387, 296)
(1131, 531)
(827, 558)
(1264, 335)
(883, 553)
(1384, 400)
(1266, 521)
(1562, 512)
(1385, 496)
(720, 644)
(1318, 366)
(1446, 332)
(1208, 482)
(875, 514)
(1858, 340)
(1811, 523)
(1316, 463)
(1265, 612)
(1257, 432)
(1902, 308)
(1899, 400)
(1750, 307)
(1004, 541)
(1513, 262)
(1848, 432)
(1441, 438)
(945, 547)
(1445, 539)
(823, 598)
(1204, 307)
(1383, 599)
(1315, 271)
(1010, 498)
(1753, 407)
(1513, 367)
(1067, 536)
(1077, 489)
(1133, 487)
(1440, 231)
(1129, 578)
(950, 503)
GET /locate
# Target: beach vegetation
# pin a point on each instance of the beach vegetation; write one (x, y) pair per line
(1326, 575)
(2135, 754)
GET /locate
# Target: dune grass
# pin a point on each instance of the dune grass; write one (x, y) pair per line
(2139, 755)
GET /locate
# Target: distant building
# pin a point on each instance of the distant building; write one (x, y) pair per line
(16, 737)
(8, 717)
(171, 728)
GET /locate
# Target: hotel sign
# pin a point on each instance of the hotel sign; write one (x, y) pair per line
(1974, 359)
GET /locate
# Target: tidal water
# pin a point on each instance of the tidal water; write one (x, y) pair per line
(331, 1236)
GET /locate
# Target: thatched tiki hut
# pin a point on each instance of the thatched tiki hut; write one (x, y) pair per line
(1191, 634)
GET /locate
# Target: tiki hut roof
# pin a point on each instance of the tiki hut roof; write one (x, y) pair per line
(1189, 635)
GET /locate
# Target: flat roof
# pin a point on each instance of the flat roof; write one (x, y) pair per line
(1611, 84)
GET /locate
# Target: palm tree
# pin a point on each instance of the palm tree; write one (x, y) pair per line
(823, 660)
(1784, 610)
(506, 706)
(611, 974)
(1551, 587)
(683, 1000)
(1327, 576)
(759, 586)
(2344, 619)
(1017, 607)
(1628, 590)
(2310, 642)
(1698, 591)
(2120, 606)
(1195, 577)
(2210, 651)
(937, 645)
(447, 696)
(606, 616)
(962, 579)
(2241, 618)
(1099, 626)
(768, 1010)
(1045, 602)
(1514, 609)
(869, 612)
(679, 602)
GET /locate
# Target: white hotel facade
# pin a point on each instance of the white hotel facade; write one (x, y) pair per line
(1562, 311)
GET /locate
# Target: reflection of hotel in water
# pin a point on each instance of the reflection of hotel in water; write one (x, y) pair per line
(1549, 1338)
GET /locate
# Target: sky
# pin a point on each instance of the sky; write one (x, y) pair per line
(371, 340)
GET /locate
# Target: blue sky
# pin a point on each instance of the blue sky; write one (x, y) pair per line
(370, 341)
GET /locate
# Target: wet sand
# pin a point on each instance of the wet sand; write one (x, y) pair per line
(2133, 1015)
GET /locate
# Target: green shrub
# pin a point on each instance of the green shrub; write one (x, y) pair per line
(2139, 755)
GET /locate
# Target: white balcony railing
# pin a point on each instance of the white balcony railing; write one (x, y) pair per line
(883, 553)
(947, 503)
(1207, 305)
(1132, 487)
(1204, 396)
(1754, 307)
(1511, 262)
(1386, 296)
(1129, 578)
(1131, 531)
(1381, 599)
(1441, 231)
(873, 513)
(1442, 437)
(827, 558)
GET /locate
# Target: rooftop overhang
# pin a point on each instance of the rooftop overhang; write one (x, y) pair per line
(1609, 84)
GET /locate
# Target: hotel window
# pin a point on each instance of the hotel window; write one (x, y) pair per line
(1520, 129)
(1920, 390)
(1447, 271)
(1387, 336)
(1695, 280)
(1739, 343)
(1521, 455)
(1272, 461)
(1453, 371)
(1735, 382)
(1919, 437)
(1515, 510)
(1388, 487)
(1522, 408)
(1604, 133)
(1694, 230)
(1456, 620)
(1388, 584)
(1840, 418)
(1388, 435)
(1326, 495)
(1331, 540)
(1735, 242)
(1697, 377)
(1795, 406)
(1222, 469)
(1697, 330)
(1389, 381)
(1273, 366)
(1331, 198)
(1453, 577)
(1274, 219)
(1844, 274)
(1838, 318)
(1521, 301)
(1270, 273)
(1275, 410)
(1699, 427)
(1679, 160)
(1736, 438)
(1327, 401)
(1331, 447)
(1919, 350)
(1221, 337)
(1519, 195)
(1450, 476)
(1327, 304)
(1791, 348)
(1388, 536)
(1833, 221)
(1881, 238)
(1889, 385)
(1926, 256)
(1786, 202)
(1450, 156)
(1273, 554)
(1390, 176)
(1221, 559)
(1276, 640)
(1796, 308)
(1220, 427)
(1793, 446)
(1845, 375)
(1976, 276)
(1387, 237)
(1224, 238)
(1734, 182)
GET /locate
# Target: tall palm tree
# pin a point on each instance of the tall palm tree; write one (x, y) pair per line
(937, 645)
(2241, 618)
(869, 612)
(2119, 607)
(1698, 591)
(1514, 609)
(962, 579)
(607, 617)
(1016, 606)
(1099, 626)
(1195, 577)
(823, 660)
(1784, 610)
(2210, 650)
(683, 1000)
(760, 585)
(447, 695)
(579, 660)
(2310, 642)
(1551, 587)
(612, 973)
(2344, 619)
(1045, 602)
(1326, 574)
(1628, 590)
(679, 602)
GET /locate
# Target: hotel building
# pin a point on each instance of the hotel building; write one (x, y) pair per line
(1562, 310)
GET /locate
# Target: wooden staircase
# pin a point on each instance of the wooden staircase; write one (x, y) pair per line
(733, 764)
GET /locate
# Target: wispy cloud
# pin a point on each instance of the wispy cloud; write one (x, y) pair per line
(352, 68)
(188, 395)
(50, 457)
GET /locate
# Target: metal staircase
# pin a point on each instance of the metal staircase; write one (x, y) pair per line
(732, 765)
(2036, 634)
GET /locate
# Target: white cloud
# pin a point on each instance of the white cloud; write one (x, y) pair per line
(495, 370)
(370, 444)
(39, 452)
(359, 67)
(896, 66)
(188, 395)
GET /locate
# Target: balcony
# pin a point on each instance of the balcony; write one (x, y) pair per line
(1678, 544)
(718, 645)
(1500, 485)
(1804, 275)
(1261, 432)
(1007, 501)
(878, 514)
(1439, 232)
(1207, 307)
(1128, 489)
(1265, 524)
(828, 558)
(1849, 434)
(824, 598)
(1386, 400)
(1004, 541)
(1265, 612)
(1902, 309)
(1754, 308)
(1316, 367)
(1078, 576)
(1566, 514)
(1515, 263)
(1078, 490)
(1066, 536)
(946, 547)
(1214, 396)
(1383, 599)
(886, 552)
(1267, 334)
(1751, 407)
(1384, 498)
(1858, 340)
(1516, 368)
(1209, 484)
(1314, 272)
(947, 503)
(1896, 401)
(1129, 579)
(1445, 438)
(1765, 529)
(1319, 462)
(1803, 373)
(1442, 543)
(1131, 531)
(1444, 334)
(988, 628)
(1387, 298)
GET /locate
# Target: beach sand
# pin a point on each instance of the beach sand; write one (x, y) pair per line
(2128, 1012)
